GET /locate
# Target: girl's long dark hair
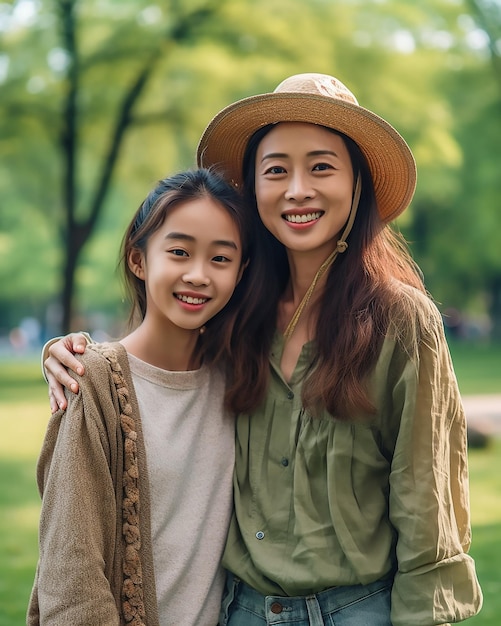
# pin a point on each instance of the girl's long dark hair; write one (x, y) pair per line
(364, 296)
(225, 340)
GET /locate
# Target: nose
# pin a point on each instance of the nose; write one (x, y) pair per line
(196, 275)
(299, 187)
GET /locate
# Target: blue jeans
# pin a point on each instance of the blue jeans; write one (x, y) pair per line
(357, 605)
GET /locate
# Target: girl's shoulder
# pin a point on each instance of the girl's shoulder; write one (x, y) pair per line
(101, 360)
(111, 351)
(105, 352)
(106, 386)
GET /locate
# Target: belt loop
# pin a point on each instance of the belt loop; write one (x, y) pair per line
(230, 591)
(314, 611)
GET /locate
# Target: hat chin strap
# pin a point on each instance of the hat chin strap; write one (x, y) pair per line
(341, 247)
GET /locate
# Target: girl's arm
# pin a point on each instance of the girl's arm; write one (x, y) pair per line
(57, 355)
(78, 522)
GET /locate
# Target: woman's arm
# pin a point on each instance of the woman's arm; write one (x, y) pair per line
(57, 355)
(429, 501)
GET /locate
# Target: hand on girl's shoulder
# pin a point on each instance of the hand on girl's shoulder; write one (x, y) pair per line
(97, 359)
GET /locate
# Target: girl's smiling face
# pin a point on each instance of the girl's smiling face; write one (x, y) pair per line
(304, 186)
(192, 265)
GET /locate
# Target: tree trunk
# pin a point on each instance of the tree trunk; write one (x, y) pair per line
(68, 144)
(76, 233)
(68, 287)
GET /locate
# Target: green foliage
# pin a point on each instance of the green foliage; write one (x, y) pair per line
(413, 63)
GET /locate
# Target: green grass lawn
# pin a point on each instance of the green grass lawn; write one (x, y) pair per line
(485, 497)
(23, 416)
(478, 367)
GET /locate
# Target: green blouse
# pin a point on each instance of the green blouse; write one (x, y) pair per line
(321, 503)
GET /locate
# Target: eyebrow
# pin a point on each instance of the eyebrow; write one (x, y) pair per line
(283, 155)
(184, 237)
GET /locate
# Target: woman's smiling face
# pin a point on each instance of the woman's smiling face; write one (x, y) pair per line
(304, 186)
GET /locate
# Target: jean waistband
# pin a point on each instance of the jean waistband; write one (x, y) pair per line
(329, 600)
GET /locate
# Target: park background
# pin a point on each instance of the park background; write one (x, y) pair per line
(101, 98)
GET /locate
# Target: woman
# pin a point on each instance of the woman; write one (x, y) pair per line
(350, 485)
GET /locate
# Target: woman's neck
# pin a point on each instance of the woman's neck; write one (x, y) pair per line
(168, 349)
(296, 308)
(303, 268)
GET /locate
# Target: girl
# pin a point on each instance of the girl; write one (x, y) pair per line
(136, 474)
(351, 485)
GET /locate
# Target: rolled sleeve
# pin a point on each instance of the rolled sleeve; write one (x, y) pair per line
(429, 496)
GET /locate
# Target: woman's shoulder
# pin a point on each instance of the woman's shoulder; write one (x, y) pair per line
(422, 300)
(414, 314)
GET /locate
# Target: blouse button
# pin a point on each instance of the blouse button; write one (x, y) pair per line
(290, 395)
(259, 535)
(285, 462)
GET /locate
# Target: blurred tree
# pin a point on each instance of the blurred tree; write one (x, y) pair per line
(452, 222)
(99, 97)
(88, 43)
(454, 228)
(80, 76)
(487, 15)
(482, 134)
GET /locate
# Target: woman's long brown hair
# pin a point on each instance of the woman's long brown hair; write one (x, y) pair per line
(365, 297)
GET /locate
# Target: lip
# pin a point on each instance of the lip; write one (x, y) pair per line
(191, 300)
(302, 218)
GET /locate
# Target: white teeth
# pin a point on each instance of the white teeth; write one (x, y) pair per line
(302, 219)
(191, 300)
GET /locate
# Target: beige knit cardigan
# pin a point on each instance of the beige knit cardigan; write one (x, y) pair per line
(96, 561)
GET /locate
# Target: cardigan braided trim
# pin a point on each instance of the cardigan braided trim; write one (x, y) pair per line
(132, 586)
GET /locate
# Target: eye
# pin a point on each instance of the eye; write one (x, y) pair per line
(178, 252)
(275, 169)
(322, 167)
(221, 259)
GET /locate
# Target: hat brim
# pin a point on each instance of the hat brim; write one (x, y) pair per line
(390, 159)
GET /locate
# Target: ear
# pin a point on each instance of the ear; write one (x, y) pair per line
(241, 271)
(136, 263)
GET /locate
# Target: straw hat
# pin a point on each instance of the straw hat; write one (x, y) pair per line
(318, 99)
